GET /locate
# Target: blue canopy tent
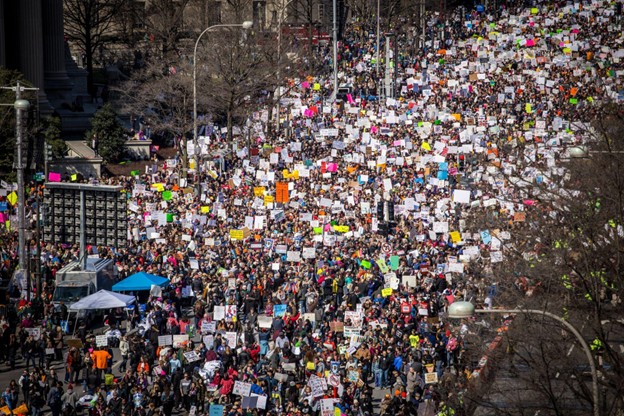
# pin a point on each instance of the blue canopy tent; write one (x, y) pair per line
(140, 281)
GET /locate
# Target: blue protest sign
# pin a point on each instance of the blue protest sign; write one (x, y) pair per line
(279, 310)
(216, 410)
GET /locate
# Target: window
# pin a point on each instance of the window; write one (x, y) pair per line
(321, 12)
(259, 13)
(213, 12)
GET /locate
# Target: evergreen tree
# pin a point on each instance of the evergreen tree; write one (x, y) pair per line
(110, 134)
(51, 131)
(7, 122)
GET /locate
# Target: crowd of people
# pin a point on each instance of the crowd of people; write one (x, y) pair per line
(311, 272)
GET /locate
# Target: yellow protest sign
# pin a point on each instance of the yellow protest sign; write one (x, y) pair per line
(20, 410)
(528, 108)
(236, 234)
(74, 177)
(414, 339)
(290, 175)
(341, 228)
(5, 410)
(386, 292)
(316, 86)
(205, 209)
(213, 174)
(12, 198)
(456, 116)
(268, 199)
(455, 236)
(158, 186)
(259, 190)
(426, 146)
(382, 265)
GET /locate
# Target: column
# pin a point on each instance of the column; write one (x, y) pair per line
(2, 36)
(30, 36)
(31, 41)
(55, 74)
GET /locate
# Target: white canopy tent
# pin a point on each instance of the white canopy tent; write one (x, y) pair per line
(103, 299)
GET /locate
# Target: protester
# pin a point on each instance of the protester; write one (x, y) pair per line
(295, 288)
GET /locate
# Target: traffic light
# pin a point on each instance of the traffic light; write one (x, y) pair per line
(390, 212)
(380, 211)
(48, 152)
(382, 228)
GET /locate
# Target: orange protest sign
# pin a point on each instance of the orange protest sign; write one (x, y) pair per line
(281, 192)
(573, 91)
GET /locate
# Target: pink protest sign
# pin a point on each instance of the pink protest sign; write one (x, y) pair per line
(54, 177)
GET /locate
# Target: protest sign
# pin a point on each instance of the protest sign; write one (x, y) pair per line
(241, 388)
(164, 340)
(179, 341)
(191, 356)
(101, 341)
(216, 410)
(279, 310)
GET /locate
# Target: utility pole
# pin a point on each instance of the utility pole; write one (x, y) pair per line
(387, 81)
(377, 50)
(335, 36)
(423, 26)
(20, 106)
(38, 240)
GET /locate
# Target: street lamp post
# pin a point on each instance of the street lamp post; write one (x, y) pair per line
(460, 310)
(581, 152)
(244, 25)
(335, 48)
(20, 106)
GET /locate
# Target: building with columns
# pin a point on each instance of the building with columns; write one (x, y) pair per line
(32, 41)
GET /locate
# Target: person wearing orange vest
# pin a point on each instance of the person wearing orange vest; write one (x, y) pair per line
(143, 366)
(100, 359)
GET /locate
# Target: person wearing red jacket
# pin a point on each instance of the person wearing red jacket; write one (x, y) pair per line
(254, 352)
(227, 385)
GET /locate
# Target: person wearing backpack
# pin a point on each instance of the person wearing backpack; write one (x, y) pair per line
(54, 398)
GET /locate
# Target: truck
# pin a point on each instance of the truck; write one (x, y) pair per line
(73, 283)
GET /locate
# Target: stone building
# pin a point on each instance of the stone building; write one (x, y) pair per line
(32, 42)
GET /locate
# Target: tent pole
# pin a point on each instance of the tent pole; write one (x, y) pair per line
(75, 325)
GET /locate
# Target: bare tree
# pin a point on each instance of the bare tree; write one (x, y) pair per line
(237, 11)
(87, 24)
(563, 251)
(304, 9)
(128, 22)
(164, 21)
(164, 95)
(232, 74)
